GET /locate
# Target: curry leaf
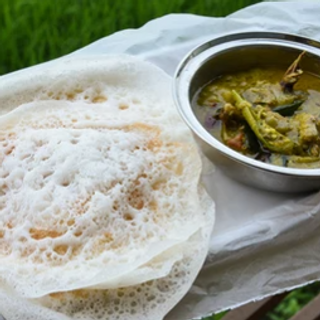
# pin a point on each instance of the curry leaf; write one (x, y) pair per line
(288, 109)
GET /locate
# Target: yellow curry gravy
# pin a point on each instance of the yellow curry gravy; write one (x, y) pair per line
(255, 113)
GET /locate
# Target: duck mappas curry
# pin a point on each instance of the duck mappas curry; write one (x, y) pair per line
(269, 114)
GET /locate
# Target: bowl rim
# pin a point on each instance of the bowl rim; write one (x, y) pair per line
(204, 52)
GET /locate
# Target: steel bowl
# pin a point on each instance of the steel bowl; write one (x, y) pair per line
(233, 53)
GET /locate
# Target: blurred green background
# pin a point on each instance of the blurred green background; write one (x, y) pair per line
(34, 31)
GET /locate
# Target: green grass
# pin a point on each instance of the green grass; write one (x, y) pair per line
(33, 31)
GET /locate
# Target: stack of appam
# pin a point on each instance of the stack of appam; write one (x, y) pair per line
(102, 214)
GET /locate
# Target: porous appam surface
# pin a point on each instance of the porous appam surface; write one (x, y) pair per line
(102, 214)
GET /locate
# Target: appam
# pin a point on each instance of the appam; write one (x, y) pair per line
(99, 192)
